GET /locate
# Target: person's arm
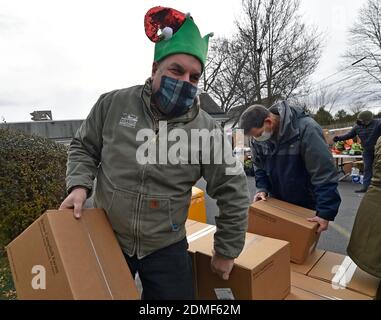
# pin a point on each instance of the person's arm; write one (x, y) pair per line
(350, 135)
(84, 156)
(231, 192)
(320, 166)
(262, 181)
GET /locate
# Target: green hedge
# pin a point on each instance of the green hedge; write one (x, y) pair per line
(32, 180)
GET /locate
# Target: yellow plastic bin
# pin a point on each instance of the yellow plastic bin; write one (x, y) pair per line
(197, 210)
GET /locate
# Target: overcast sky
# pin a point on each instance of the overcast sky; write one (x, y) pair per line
(61, 55)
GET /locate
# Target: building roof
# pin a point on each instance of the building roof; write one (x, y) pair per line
(209, 105)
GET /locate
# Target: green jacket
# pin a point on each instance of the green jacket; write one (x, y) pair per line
(147, 204)
(365, 244)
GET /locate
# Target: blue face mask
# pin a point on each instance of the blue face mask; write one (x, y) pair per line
(174, 97)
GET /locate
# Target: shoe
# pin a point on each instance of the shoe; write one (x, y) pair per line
(363, 190)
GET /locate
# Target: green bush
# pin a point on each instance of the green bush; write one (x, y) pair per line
(7, 290)
(32, 180)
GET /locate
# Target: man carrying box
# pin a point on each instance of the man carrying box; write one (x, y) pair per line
(292, 161)
(147, 200)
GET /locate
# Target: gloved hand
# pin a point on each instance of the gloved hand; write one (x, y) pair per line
(336, 139)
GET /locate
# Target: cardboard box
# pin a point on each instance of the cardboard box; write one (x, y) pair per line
(196, 231)
(60, 257)
(261, 272)
(341, 271)
(284, 221)
(302, 294)
(197, 209)
(189, 222)
(310, 262)
(323, 289)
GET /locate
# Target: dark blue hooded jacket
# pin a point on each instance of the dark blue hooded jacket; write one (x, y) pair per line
(296, 165)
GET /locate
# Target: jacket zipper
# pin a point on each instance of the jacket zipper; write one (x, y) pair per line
(140, 197)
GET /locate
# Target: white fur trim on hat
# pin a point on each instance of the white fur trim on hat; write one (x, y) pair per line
(167, 33)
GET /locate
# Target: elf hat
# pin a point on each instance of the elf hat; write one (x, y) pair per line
(174, 32)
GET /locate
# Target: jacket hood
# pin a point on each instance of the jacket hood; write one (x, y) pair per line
(288, 127)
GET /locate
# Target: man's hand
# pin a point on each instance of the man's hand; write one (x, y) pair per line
(260, 196)
(221, 265)
(75, 199)
(323, 224)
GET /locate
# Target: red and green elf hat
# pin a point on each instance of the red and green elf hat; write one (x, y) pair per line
(174, 32)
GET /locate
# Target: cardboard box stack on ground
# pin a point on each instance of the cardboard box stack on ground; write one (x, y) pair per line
(197, 209)
(340, 271)
(262, 271)
(284, 221)
(303, 287)
(60, 257)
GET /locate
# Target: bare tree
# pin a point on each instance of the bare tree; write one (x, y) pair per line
(223, 72)
(326, 97)
(311, 100)
(365, 44)
(357, 107)
(272, 55)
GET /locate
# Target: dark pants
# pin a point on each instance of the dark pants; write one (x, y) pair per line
(368, 158)
(165, 274)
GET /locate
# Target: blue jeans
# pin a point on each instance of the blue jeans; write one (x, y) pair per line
(165, 274)
(368, 158)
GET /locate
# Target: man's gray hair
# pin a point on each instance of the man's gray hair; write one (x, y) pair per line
(253, 117)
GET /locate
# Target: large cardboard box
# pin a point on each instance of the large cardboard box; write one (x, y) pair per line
(60, 257)
(341, 271)
(284, 221)
(322, 289)
(310, 262)
(261, 272)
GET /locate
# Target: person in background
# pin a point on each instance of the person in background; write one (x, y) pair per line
(368, 130)
(292, 160)
(365, 243)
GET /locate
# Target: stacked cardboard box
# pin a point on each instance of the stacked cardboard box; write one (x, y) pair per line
(284, 221)
(340, 275)
(60, 257)
(341, 272)
(321, 290)
(262, 271)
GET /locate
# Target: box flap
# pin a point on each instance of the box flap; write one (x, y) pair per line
(342, 271)
(302, 294)
(258, 249)
(324, 289)
(310, 262)
(189, 222)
